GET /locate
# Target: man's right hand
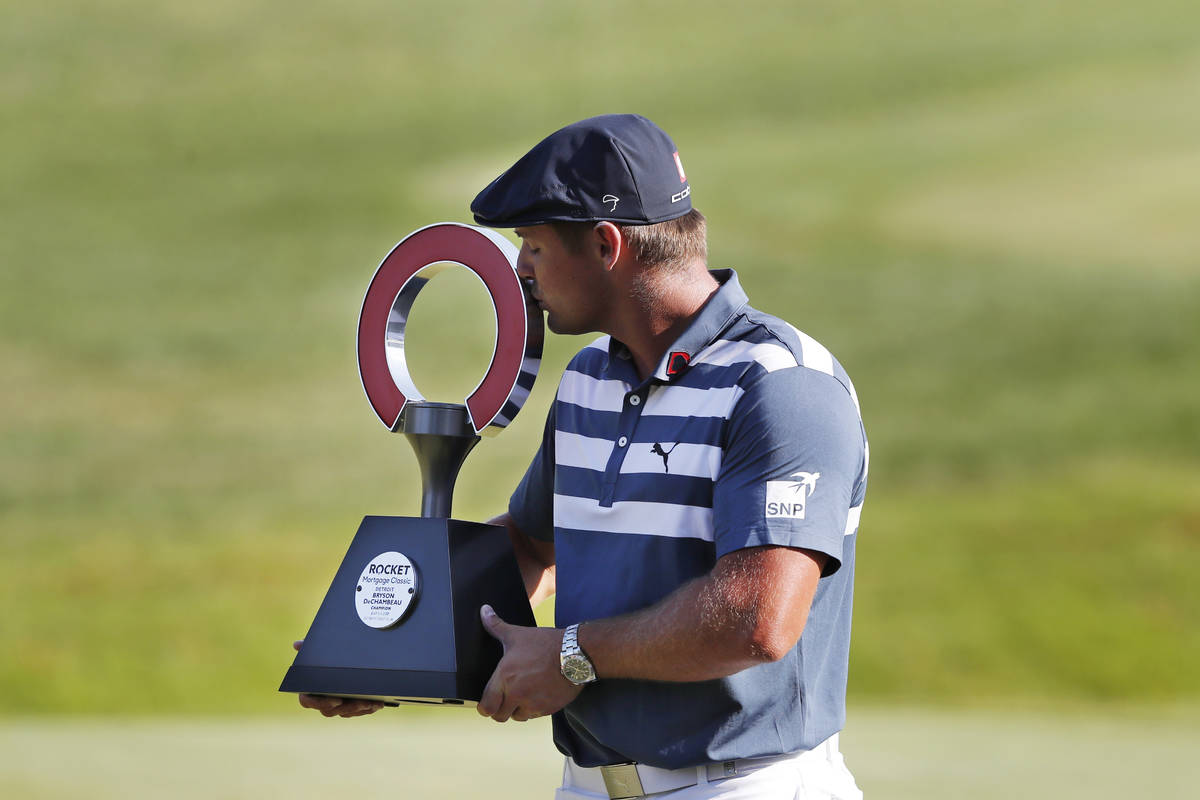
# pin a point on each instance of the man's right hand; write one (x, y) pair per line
(337, 706)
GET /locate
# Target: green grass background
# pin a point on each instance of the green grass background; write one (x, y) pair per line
(899, 753)
(986, 210)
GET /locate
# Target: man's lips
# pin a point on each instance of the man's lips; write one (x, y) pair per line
(533, 294)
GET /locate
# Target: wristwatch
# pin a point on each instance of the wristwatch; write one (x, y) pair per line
(576, 666)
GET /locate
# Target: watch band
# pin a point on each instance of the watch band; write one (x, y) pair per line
(574, 663)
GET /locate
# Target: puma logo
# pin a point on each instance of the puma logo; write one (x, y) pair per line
(657, 449)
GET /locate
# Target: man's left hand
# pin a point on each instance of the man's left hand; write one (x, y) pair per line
(528, 681)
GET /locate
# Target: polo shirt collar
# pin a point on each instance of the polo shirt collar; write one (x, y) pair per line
(714, 317)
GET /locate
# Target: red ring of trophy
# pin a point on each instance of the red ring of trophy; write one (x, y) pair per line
(401, 276)
(400, 622)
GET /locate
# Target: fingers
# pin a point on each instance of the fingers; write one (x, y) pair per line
(336, 706)
(493, 624)
(501, 708)
(326, 705)
(521, 715)
(496, 703)
(339, 706)
(492, 700)
(358, 708)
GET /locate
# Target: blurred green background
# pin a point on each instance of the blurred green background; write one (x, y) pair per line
(986, 210)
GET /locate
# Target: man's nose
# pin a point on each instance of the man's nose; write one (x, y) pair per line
(524, 267)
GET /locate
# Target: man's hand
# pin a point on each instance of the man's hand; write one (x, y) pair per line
(337, 706)
(528, 682)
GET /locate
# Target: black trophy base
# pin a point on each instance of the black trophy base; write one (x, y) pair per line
(439, 652)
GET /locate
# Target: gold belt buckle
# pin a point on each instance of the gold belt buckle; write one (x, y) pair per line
(622, 781)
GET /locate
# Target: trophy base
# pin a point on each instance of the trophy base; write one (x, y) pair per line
(433, 688)
(438, 652)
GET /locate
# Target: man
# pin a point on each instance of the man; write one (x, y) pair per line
(694, 503)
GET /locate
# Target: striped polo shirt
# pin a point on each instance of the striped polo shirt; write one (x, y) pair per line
(748, 433)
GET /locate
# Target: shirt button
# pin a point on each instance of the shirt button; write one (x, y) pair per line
(634, 400)
(622, 441)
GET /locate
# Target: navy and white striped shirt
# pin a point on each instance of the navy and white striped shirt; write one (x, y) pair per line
(747, 434)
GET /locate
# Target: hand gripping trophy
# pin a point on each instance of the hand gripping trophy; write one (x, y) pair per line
(400, 622)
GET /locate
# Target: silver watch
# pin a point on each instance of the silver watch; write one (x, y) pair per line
(576, 666)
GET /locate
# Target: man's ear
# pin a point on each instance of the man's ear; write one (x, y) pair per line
(609, 241)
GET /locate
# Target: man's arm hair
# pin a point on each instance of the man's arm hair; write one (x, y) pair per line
(750, 609)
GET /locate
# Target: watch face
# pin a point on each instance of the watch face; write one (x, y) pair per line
(577, 669)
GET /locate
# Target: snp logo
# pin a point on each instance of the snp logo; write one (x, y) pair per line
(790, 498)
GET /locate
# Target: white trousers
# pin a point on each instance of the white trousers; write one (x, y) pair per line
(817, 774)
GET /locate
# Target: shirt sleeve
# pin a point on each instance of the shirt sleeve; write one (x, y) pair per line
(794, 452)
(531, 505)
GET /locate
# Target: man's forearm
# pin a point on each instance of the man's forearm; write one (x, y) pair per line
(535, 560)
(750, 610)
(539, 581)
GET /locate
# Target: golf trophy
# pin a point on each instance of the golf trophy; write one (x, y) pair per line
(400, 622)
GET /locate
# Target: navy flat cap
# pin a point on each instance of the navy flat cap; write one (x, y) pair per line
(617, 167)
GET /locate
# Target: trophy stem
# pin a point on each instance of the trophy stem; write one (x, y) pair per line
(441, 435)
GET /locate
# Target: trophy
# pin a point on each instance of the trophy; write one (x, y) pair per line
(400, 622)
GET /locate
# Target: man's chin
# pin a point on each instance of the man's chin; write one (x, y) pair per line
(561, 327)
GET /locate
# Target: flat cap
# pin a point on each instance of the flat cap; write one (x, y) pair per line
(616, 167)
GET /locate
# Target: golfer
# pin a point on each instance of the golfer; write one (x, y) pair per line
(693, 505)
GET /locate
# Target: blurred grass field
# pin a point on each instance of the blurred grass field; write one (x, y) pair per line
(897, 753)
(986, 211)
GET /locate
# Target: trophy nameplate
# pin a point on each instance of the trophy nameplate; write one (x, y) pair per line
(400, 622)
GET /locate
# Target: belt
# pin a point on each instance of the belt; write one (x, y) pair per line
(632, 780)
